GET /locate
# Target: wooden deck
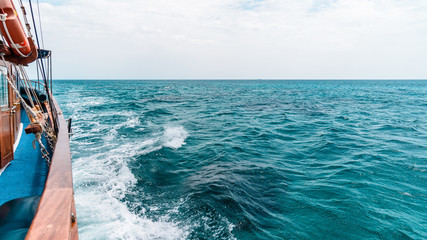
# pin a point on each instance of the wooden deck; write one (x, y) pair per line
(56, 215)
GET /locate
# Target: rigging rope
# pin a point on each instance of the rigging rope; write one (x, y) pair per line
(36, 112)
(37, 39)
(28, 89)
(40, 23)
(42, 68)
(24, 13)
(35, 116)
(30, 98)
(27, 108)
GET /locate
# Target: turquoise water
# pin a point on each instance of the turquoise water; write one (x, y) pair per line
(248, 159)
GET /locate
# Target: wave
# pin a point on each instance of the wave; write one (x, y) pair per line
(101, 183)
(103, 178)
(292, 160)
(174, 137)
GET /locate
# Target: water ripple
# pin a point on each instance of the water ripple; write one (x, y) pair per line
(249, 159)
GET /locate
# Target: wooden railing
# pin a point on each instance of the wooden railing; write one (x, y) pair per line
(56, 214)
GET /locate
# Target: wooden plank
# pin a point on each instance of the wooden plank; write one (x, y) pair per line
(74, 228)
(53, 219)
(32, 128)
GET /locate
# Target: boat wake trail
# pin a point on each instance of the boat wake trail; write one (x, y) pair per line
(248, 159)
(103, 178)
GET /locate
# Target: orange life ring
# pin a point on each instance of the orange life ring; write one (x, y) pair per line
(12, 30)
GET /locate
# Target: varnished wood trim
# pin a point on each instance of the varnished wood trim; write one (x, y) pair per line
(32, 128)
(53, 216)
(74, 228)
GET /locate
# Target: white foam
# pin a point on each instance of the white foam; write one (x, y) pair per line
(102, 176)
(132, 122)
(109, 218)
(174, 137)
(102, 180)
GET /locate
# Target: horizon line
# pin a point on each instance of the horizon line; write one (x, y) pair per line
(244, 79)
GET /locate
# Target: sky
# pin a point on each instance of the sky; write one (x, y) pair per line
(236, 39)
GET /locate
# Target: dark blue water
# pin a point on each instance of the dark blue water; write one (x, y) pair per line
(249, 159)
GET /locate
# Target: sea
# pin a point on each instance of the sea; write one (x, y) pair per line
(248, 159)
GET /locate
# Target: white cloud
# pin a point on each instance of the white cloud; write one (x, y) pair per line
(149, 39)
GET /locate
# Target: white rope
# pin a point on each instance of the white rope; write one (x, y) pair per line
(40, 24)
(28, 88)
(30, 98)
(31, 113)
(27, 108)
(3, 18)
(50, 135)
(24, 14)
